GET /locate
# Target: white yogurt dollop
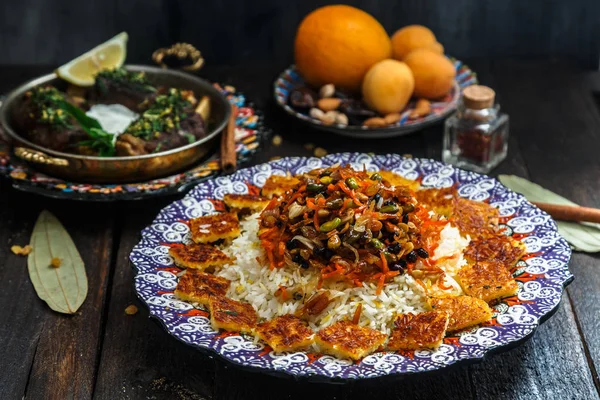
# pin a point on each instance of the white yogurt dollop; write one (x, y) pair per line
(113, 118)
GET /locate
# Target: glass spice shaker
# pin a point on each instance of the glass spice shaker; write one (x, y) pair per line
(476, 136)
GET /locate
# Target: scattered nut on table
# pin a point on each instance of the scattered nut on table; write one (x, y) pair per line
(320, 152)
(277, 140)
(309, 146)
(131, 310)
(329, 104)
(21, 251)
(327, 90)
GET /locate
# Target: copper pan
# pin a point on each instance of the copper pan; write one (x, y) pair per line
(81, 168)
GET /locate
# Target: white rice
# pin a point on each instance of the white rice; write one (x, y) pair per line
(257, 284)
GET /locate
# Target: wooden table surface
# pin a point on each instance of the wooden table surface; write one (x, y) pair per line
(102, 353)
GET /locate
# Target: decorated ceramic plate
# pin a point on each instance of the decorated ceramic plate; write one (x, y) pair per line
(542, 274)
(290, 79)
(250, 134)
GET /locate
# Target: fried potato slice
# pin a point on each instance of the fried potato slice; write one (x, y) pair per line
(276, 185)
(285, 333)
(346, 340)
(210, 228)
(245, 202)
(419, 331)
(231, 315)
(501, 248)
(398, 180)
(198, 256)
(198, 286)
(487, 280)
(463, 311)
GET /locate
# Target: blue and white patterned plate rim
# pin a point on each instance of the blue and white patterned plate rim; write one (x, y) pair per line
(537, 299)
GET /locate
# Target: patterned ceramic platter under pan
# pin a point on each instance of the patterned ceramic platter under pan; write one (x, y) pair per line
(290, 79)
(250, 133)
(542, 274)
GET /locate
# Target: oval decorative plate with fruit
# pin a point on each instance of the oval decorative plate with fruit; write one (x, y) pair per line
(352, 79)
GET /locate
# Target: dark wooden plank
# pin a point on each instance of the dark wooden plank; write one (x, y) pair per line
(66, 357)
(46, 354)
(21, 314)
(551, 365)
(139, 359)
(559, 135)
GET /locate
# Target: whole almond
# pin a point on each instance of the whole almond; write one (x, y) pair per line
(392, 118)
(329, 104)
(375, 122)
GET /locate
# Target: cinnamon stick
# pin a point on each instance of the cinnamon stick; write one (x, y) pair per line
(571, 213)
(228, 154)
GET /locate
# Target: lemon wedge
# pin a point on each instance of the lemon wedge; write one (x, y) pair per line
(109, 55)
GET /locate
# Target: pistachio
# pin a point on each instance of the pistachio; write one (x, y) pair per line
(330, 225)
(375, 122)
(329, 104)
(352, 184)
(327, 90)
(326, 180)
(376, 177)
(334, 204)
(376, 243)
(315, 187)
(392, 118)
(390, 208)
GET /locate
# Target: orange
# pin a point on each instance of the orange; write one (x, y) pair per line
(338, 44)
(388, 86)
(434, 74)
(411, 37)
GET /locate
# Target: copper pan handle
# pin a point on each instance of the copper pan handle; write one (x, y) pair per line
(183, 52)
(38, 157)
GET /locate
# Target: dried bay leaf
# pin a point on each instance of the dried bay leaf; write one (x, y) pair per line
(64, 288)
(583, 236)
